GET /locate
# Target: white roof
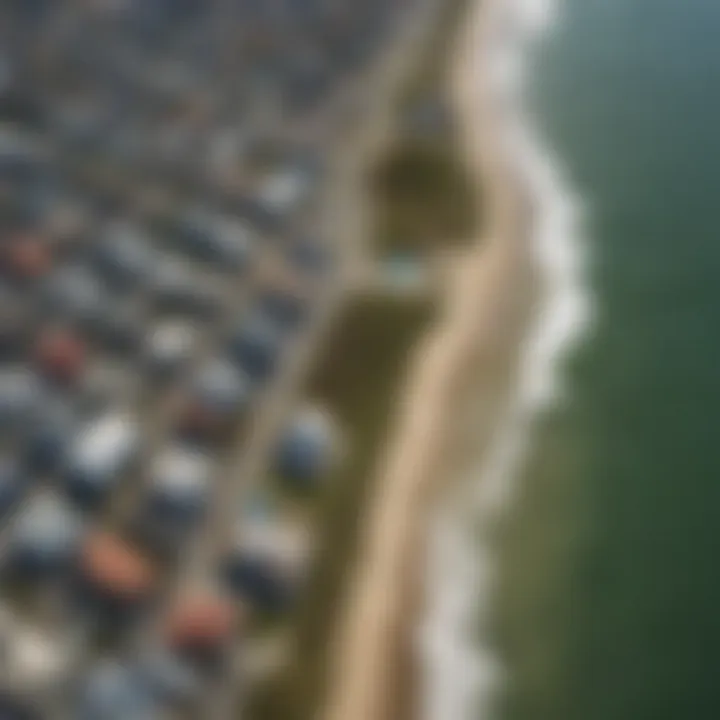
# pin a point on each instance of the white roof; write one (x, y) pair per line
(31, 660)
(233, 233)
(36, 659)
(181, 468)
(283, 189)
(48, 517)
(219, 376)
(284, 542)
(112, 435)
(171, 339)
(314, 422)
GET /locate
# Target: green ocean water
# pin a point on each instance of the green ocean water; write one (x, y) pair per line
(608, 606)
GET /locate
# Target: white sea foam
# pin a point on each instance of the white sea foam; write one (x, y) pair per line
(462, 674)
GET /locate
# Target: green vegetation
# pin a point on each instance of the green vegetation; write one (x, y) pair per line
(358, 377)
(424, 198)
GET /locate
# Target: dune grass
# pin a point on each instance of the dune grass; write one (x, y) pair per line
(425, 201)
(358, 376)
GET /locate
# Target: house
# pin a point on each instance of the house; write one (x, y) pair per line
(34, 664)
(100, 453)
(12, 486)
(49, 436)
(267, 561)
(124, 255)
(45, 537)
(111, 691)
(306, 448)
(179, 485)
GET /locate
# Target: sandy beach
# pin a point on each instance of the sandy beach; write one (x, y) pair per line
(467, 357)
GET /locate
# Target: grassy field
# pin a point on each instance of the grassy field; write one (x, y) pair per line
(358, 376)
(424, 199)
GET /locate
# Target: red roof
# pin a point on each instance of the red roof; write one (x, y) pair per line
(114, 566)
(202, 622)
(27, 257)
(60, 353)
(197, 419)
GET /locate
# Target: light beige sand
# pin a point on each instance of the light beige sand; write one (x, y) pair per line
(473, 345)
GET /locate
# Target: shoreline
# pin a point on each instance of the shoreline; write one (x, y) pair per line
(473, 345)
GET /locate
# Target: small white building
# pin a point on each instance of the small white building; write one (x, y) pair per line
(284, 190)
(34, 663)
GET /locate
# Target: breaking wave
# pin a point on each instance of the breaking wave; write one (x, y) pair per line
(462, 675)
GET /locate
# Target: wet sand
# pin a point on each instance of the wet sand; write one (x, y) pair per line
(467, 358)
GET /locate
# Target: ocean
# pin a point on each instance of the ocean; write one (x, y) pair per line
(583, 581)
